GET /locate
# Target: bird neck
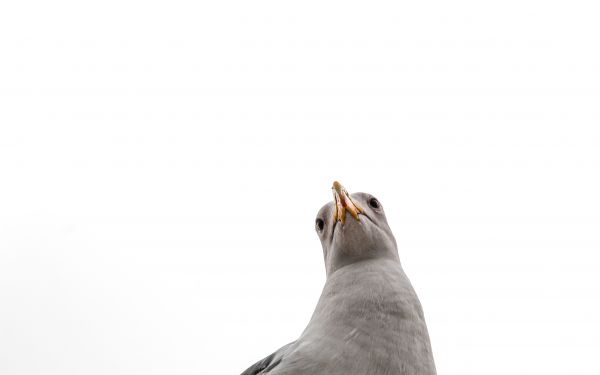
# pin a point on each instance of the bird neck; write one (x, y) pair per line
(372, 297)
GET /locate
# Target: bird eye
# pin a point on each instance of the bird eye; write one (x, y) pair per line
(320, 224)
(374, 203)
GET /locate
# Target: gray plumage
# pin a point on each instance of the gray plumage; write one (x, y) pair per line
(368, 319)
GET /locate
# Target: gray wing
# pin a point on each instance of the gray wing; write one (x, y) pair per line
(265, 365)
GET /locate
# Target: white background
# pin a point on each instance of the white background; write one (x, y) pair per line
(161, 164)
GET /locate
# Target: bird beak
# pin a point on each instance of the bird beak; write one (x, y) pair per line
(343, 202)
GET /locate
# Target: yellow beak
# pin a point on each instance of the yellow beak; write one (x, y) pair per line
(343, 202)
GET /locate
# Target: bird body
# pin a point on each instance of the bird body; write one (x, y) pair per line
(368, 319)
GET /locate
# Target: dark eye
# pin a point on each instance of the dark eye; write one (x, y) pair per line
(320, 224)
(374, 203)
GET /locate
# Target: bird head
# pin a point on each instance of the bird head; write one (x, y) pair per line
(353, 228)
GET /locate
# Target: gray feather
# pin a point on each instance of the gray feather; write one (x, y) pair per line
(368, 319)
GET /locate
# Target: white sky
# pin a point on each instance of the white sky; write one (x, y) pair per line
(161, 165)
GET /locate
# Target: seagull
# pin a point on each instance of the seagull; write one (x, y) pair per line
(368, 319)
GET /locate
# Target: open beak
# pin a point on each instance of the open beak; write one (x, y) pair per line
(343, 202)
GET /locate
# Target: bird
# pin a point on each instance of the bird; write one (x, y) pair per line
(368, 319)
